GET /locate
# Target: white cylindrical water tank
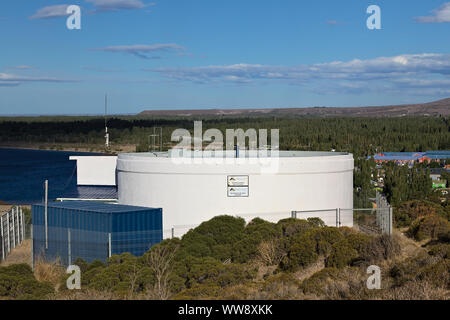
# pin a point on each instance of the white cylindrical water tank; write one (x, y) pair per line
(191, 190)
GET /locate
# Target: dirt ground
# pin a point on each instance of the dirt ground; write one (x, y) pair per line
(20, 254)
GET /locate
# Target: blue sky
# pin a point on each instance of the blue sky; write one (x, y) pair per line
(177, 54)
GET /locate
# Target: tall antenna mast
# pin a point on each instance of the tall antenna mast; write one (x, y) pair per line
(106, 124)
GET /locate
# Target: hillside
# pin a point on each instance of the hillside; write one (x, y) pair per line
(435, 108)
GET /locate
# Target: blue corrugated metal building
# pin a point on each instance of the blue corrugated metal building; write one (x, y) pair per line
(93, 230)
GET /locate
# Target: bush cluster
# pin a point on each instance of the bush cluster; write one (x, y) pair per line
(18, 282)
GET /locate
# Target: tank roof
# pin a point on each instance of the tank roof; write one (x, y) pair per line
(93, 206)
(232, 154)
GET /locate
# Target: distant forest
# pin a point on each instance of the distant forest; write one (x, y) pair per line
(360, 136)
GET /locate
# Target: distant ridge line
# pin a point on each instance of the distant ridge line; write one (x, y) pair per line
(435, 108)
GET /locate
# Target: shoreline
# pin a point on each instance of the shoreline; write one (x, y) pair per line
(69, 148)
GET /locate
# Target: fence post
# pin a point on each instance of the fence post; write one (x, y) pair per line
(13, 228)
(391, 213)
(17, 226)
(69, 248)
(2, 237)
(109, 245)
(23, 224)
(32, 248)
(294, 214)
(7, 231)
(173, 233)
(337, 218)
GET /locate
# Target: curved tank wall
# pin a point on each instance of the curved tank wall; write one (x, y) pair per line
(191, 193)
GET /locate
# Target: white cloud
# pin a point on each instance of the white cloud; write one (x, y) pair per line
(113, 5)
(60, 10)
(335, 23)
(21, 67)
(355, 76)
(50, 12)
(9, 79)
(378, 68)
(440, 15)
(141, 50)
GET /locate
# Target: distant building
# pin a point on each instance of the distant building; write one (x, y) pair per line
(438, 182)
(412, 157)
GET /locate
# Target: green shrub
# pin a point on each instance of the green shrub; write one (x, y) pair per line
(324, 239)
(428, 227)
(317, 222)
(300, 254)
(18, 282)
(437, 274)
(342, 254)
(214, 238)
(358, 241)
(316, 284)
(444, 237)
(410, 211)
(255, 232)
(379, 248)
(290, 227)
(441, 250)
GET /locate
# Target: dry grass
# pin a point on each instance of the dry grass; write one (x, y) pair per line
(20, 254)
(416, 290)
(310, 270)
(48, 271)
(86, 295)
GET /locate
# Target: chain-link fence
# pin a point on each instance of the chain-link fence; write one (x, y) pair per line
(12, 230)
(367, 220)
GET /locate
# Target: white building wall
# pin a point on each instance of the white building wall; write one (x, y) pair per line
(190, 194)
(96, 171)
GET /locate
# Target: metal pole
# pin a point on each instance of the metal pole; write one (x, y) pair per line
(337, 219)
(46, 221)
(7, 230)
(18, 225)
(13, 211)
(161, 143)
(32, 248)
(2, 237)
(109, 245)
(23, 224)
(69, 249)
(173, 233)
(391, 211)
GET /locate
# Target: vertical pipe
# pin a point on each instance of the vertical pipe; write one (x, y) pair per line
(46, 221)
(2, 237)
(337, 218)
(69, 248)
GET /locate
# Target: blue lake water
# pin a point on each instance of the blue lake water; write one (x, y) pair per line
(23, 172)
